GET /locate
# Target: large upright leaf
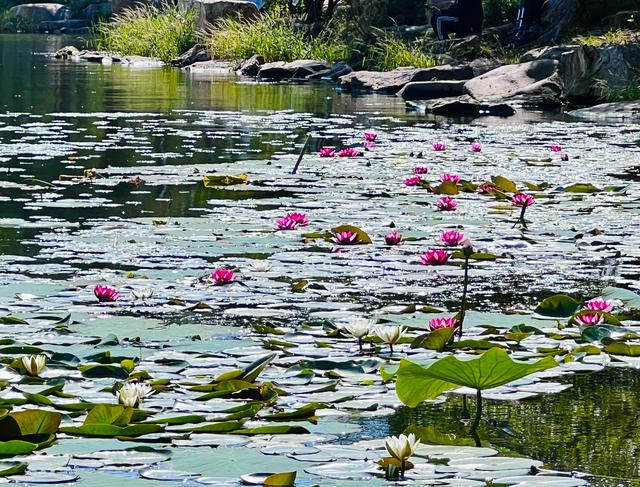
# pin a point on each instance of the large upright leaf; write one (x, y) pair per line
(493, 369)
(28, 423)
(435, 340)
(558, 306)
(250, 373)
(504, 184)
(113, 414)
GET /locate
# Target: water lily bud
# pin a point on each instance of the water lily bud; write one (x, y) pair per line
(467, 248)
(34, 364)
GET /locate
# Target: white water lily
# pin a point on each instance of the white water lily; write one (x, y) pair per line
(132, 394)
(34, 364)
(390, 335)
(358, 327)
(261, 266)
(142, 293)
(401, 447)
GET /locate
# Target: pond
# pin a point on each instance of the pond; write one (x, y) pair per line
(102, 182)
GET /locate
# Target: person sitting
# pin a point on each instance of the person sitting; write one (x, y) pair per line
(527, 26)
(464, 17)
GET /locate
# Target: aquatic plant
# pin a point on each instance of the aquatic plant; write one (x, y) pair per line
(132, 394)
(589, 319)
(454, 178)
(390, 335)
(476, 147)
(555, 148)
(435, 257)
(106, 294)
(413, 181)
(437, 323)
(451, 238)
(598, 304)
(393, 238)
(523, 201)
(402, 448)
(327, 152)
(346, 238)
(286, 223)
(300, 218)
(446, 204)
(359, 328)
(439, 146)
(261, 266)
(222, 276)
(370, 136)
(34, 364)
(420, 170)
(348, 152)
(485, 188)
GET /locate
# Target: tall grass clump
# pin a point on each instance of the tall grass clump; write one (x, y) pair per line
(164, 32)
(9, 23)
(629, 92)
(389, 53)
(273, 37)
(613, 37)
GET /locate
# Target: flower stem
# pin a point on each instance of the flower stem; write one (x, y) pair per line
(402, 467)
(391, 348)
(360, 345)
(463, 303)
(476, 420)
(522, 221)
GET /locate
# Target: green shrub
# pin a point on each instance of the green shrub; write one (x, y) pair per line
(390, 53)
(630, 92)
(273, 37)
(13, 24)
(163, 32)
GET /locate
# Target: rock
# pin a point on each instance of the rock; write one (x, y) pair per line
(624, 110)
(251, 66)
(463, 106)
(391, 82)
(547, 52)
(67, 52)
(538, 82)
(627, 19)
(209, 11)
(95, 11)
(211, 67)
(339, 69)
(301, 68)
(40, 12)
(97, 57)
(589, 71)
(142, 62)
(196, 54)
(60, 25)
(429, 90)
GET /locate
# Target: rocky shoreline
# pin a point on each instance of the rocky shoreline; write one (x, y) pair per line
(549, 77)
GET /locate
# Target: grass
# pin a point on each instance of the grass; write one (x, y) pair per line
(13, 24)
(273, 38)
(630, 92)
(163, 32)
(613, 37)
(390, 53)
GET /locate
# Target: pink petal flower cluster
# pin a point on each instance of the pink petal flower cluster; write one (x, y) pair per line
(435, 257)
(485, 188)
(438, 323)
(439, 146)
(346, 238)
(291, 220)
(454, 178)
(327, 152)
(370, 136)
(555, 148)
(476, 147)
(451, 238)
(598, 305)
(348, 152)
(106, 294)
(222, 276)
(420, 170)
(446, 204)
(393, 238)
(591, 319)
(413, 181)
(523, 199)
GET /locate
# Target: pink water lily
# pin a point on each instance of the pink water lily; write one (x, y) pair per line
(393, 238)
(286, 223)
(454, 178)
(435, 257)
(590, 319)
(437, 323)
(439, 146)
(555, 148)
(598, 304)
(346, 238)
(523, 200)
(451, 238)
(327, 152)
(348, 152)
(485, 188)
(298, 217)
(370, 136)
(222, 276)
(446, 204)
(476, 147)
(420, 170)
(106, 294)
(413, 181)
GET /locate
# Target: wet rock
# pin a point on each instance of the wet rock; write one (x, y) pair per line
(98, 57)
(213, 66)
(66, 52)
(142, 62)
(296, 69)
(251, 66)
(392, 81)
(95, 11)
(588, 71)
(429, 90)
(40, 12)
(538, 82)
(196, 54)
(334, 72)
(463, 106)
(547, 52)
(57, 26)
(625, 110)
(209, 11)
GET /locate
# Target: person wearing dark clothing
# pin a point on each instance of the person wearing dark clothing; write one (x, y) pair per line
(527, 26)
(464, 17)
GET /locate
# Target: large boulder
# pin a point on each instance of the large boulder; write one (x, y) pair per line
(251, 66)
(302, 68)
(589, 71)
(536, 82)
(462, 106)
(209, 11)
(40, 12)
(624, 110)
(429, 90)
(391, 82)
